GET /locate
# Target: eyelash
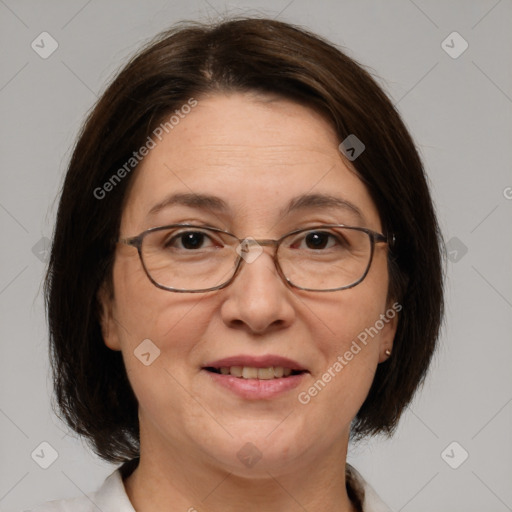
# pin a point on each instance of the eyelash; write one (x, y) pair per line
(177, 236)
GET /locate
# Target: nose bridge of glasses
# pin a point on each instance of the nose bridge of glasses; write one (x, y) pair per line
(249, 256)
(246, 243)
(252, 241)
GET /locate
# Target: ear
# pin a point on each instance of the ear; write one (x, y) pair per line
(107, 321)
(390, 320)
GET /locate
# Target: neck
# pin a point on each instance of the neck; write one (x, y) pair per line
(191, 483)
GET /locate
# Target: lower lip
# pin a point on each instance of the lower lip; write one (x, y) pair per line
(254, 389)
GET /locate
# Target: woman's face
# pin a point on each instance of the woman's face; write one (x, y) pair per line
(256, 155)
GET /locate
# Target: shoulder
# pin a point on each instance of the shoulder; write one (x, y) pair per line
(110, 497)
(371, 502)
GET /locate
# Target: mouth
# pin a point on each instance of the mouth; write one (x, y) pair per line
(256, 377)
(252, 372)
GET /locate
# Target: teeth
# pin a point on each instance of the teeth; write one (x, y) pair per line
(278, 371)
(266, 373)
(249, 372)
(236, 371)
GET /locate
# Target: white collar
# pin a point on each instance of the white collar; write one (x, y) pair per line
(371, 501)
(112, 497)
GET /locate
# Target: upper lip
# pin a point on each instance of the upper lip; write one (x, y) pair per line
(256, 362)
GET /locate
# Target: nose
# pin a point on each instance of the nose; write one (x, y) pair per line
(258, 300)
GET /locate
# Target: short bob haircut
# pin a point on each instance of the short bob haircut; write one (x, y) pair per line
(193, 60)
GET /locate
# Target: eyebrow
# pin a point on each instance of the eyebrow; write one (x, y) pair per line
(216, 204)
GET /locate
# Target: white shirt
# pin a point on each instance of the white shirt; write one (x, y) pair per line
(112, 497)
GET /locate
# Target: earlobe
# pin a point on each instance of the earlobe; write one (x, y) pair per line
(389, 331)
(386, 351)
(107, 322)
(385, 354)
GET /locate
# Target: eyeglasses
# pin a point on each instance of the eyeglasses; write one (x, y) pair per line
(189, 258)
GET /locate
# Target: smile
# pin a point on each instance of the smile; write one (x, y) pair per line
(255, 377)
(251, 372)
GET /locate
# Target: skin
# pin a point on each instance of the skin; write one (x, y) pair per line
(256, 153)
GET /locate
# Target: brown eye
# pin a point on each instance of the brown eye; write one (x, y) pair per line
(318, 240)
(189, 240)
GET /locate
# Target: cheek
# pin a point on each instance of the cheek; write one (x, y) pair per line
(349, 333)
(336, 391)
(172, 322)
(158, 331)
(146, 310)
(350, 315)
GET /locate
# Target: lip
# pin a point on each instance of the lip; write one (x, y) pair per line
(256, 362)
(256, 389)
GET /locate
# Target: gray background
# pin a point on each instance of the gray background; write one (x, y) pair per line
(459, 111)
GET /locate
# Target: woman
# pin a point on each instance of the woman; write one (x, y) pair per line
(245, 274)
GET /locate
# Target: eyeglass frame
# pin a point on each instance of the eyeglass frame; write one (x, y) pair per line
(375, 237)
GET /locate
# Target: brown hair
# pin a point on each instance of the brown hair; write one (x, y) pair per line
(91, 386)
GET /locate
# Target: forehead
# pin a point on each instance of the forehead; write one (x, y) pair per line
(257, 155)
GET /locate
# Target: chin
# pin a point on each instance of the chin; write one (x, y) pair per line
(255, 452)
